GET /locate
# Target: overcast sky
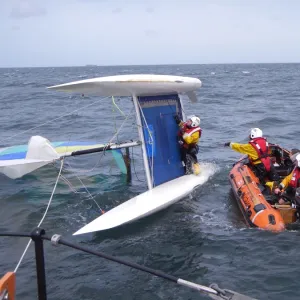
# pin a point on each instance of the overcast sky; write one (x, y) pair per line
(132, 32)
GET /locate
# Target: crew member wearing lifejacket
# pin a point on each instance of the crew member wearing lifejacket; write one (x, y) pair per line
(188, 138)
(257, 150)
(290, 183)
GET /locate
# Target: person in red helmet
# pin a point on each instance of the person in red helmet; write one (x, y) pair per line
(188, 138)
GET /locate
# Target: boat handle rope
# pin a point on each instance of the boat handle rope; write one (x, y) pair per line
(38, 235)
(44, 215)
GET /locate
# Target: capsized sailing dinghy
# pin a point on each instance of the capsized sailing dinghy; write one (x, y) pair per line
(157, 100)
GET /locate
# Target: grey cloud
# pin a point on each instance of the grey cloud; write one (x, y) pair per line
(97, 1)
(117, 10)
(27, 9)
(150, 10)
(151, 32)
(15, 28)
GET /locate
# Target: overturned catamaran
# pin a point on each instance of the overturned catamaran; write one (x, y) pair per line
(156, 99)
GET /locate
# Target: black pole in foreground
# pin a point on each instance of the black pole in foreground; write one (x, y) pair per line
(213, 291)
(37, 237)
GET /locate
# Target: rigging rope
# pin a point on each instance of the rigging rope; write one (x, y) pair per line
(90, 196)
(114, 103)
(72, 188)
(45, 213)
(70, 113)
(107, 145)
(114, 116)
(70, 185)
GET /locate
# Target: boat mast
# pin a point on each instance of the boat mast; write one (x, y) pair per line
(141, 135)
(103, 148)
(182, 108)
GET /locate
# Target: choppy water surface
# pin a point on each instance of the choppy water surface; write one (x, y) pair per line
(202, 238)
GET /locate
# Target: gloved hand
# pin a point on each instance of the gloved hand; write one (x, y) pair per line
(177, 119)
(227, 144)
(277, 191)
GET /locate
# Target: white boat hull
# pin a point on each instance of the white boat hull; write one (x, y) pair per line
(133, 84)
(148, 202)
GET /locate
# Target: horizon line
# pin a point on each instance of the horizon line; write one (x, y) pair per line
(136, 65)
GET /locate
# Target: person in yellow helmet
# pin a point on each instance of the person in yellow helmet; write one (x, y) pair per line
(257, 150)
(188, 138)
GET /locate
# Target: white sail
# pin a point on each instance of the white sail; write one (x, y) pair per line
(40, 153)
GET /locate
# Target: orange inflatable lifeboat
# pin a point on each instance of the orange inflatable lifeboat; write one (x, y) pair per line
(255, 200)
(8, 286)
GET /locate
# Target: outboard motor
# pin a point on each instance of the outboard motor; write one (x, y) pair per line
(295, 152)
(297, 197)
